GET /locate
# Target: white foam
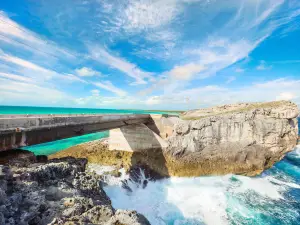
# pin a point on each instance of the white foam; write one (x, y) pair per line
(195, 200)
(296, 152)
(261, 186)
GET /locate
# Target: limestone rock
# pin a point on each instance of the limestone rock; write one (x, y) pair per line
(128, 217)
(58, 191)
(239, 138)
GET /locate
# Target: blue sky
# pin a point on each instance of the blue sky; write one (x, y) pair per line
(148, 54)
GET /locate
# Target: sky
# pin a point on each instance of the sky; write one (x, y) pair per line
(148, 54)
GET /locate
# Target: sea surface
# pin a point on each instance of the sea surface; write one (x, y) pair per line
(272, 198)
(61, 110)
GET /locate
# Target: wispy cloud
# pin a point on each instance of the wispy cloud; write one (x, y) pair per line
(24, 93)
(15, 34)
(16, 77)
(34, 71)
(86, 72)
(95, 92)
(101, 55)
(239, 70)
(230, 79)
(187, 71)
(263, 66)
(271, 90)
(107, 85)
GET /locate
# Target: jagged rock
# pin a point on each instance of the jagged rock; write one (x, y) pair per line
(238, 138)
(18, 157)
(56, 192)
(128, 217)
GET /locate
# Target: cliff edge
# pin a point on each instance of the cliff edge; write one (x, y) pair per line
(242, 138)
(239, 138)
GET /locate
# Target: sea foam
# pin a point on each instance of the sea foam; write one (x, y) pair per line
(229, 199)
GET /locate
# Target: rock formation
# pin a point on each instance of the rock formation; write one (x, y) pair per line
(238, 138)
(60, 192)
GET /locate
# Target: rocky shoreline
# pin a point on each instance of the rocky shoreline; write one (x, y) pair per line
(241, 139)
(57, 192)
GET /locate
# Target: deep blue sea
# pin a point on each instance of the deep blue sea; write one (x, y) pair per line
(272, 198)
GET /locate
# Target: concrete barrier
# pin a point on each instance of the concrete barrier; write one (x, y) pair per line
(134, 138)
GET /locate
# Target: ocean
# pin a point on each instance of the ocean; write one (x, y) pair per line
(272, 198)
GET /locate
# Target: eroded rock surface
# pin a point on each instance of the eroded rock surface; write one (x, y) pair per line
(57, 192)
(240, 138)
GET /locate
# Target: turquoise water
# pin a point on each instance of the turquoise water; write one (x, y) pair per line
(56, 146)
(52, 147)
(60, 110)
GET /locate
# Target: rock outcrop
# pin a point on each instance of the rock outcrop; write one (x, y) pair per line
(239, 138)
(60, 192)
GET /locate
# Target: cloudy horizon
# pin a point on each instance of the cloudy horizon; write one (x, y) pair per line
(148, 54)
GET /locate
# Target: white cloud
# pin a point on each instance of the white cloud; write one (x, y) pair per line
(239, 70)
(186, 72)
(279, 89)
(36, 72)
(286, 96)
(16, 77)
(107, 85)
(72, 78)
(86, 72)
(24, 63)
(95, 92)
(101, 55)
(15, 34)
(153, 100)
(230, 79)
(263, 66)
(22, 93)
(145, 14)
(110, 102)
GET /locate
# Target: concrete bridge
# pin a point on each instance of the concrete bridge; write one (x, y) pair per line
(23, 130)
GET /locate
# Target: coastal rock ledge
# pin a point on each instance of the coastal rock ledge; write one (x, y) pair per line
(57, 192)
(244, 138)
(238, 138)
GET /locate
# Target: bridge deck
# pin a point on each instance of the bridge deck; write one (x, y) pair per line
(22, 130)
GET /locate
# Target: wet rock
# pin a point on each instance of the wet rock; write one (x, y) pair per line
(56, 192)
(128, 217)
(41, 158)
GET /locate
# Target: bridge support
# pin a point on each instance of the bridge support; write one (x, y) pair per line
(21, 130)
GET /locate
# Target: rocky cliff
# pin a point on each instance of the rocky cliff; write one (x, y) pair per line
(57, 192)
(239, 138)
